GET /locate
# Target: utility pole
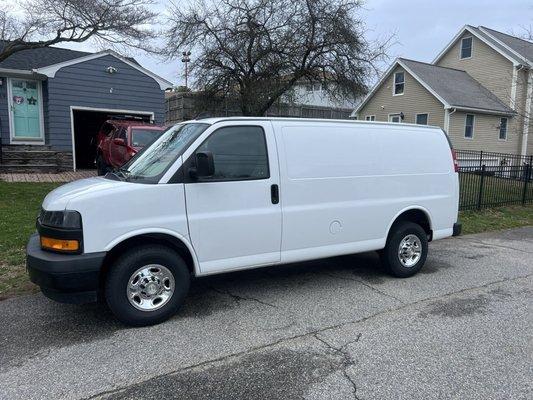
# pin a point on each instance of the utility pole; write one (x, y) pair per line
(186, 59)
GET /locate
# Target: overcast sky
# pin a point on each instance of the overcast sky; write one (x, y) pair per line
(421, 27)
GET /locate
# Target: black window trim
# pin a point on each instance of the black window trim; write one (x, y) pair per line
(181, 175)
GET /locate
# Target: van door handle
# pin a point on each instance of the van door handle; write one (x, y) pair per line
(274, 194)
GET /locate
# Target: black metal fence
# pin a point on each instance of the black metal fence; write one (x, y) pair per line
(494, 179)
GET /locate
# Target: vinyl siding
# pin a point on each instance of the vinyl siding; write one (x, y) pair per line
(485, 134)
(415, 100)
(88, 84)
(495, 72)
(45, 111)
(486, 65)
(4, 112)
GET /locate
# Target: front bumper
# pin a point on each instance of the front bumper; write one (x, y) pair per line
(67, 278)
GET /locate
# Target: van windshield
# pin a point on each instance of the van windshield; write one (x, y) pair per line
(149, 165)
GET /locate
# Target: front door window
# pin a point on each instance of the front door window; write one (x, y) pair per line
(25, 110)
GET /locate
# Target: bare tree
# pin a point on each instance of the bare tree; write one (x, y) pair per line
(122, 23)
(527, 33)
(257, 50)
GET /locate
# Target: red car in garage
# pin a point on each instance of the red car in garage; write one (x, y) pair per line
(120, 140)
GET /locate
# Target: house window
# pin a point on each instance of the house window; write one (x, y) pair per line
(503, 129)
(370, 118)
(399, 83)
(466, 47)
(469, 126)
(421, 119)
(395, 118)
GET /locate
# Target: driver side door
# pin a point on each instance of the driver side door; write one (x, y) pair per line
(234, 215)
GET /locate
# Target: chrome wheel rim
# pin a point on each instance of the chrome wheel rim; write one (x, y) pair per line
(150, 287)
(410, 251)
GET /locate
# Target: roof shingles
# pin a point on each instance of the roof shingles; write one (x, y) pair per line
(30, 59)
(456, 87)
(523, 47)
(38, 58)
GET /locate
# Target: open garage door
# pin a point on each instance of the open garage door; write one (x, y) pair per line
(86, 123)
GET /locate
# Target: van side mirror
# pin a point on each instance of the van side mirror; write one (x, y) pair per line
(205, 165)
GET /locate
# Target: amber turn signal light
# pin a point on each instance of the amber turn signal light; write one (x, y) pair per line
(59, 244)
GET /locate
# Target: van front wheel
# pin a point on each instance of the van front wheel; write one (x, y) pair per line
(406, 250)
(146, 285)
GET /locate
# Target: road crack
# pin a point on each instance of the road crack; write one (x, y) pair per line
(238, 298)
(347, 360)
(362, 283)
(497, 245)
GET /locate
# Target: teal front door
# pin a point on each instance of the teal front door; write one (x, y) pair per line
(26, 110)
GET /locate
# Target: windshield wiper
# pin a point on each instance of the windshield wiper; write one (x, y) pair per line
(124, 172)
(113, 176)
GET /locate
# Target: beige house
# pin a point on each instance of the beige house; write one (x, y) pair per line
(478, 89)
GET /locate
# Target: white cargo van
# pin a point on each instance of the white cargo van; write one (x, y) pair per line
(218, 195)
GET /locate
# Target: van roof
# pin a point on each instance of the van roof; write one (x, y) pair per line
(212, 121)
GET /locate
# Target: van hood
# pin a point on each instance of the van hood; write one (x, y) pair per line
(59, 198)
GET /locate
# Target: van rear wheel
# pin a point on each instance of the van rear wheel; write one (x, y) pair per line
(147, 285)
(406, 250)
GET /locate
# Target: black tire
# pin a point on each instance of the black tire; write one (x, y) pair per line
(390, 257)
(117, 280)
(101, 167)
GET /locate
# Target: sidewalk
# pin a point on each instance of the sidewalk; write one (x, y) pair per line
(66, 176)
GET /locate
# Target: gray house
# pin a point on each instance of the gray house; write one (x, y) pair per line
(53, 101)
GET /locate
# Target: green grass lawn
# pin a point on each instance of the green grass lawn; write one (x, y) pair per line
(492, 219)
(20, 203)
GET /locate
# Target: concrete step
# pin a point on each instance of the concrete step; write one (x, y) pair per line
(29, 161)
(24, 157)
(34, 158)
(28, 168)
(29, 157)
(26, 147)
(36, 155)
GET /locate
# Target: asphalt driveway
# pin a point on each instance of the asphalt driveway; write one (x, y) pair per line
(331, 329)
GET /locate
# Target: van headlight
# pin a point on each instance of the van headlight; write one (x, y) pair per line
(60, 231)
(66, 219)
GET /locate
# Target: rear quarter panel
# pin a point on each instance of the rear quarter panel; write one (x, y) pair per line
(342, 184)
